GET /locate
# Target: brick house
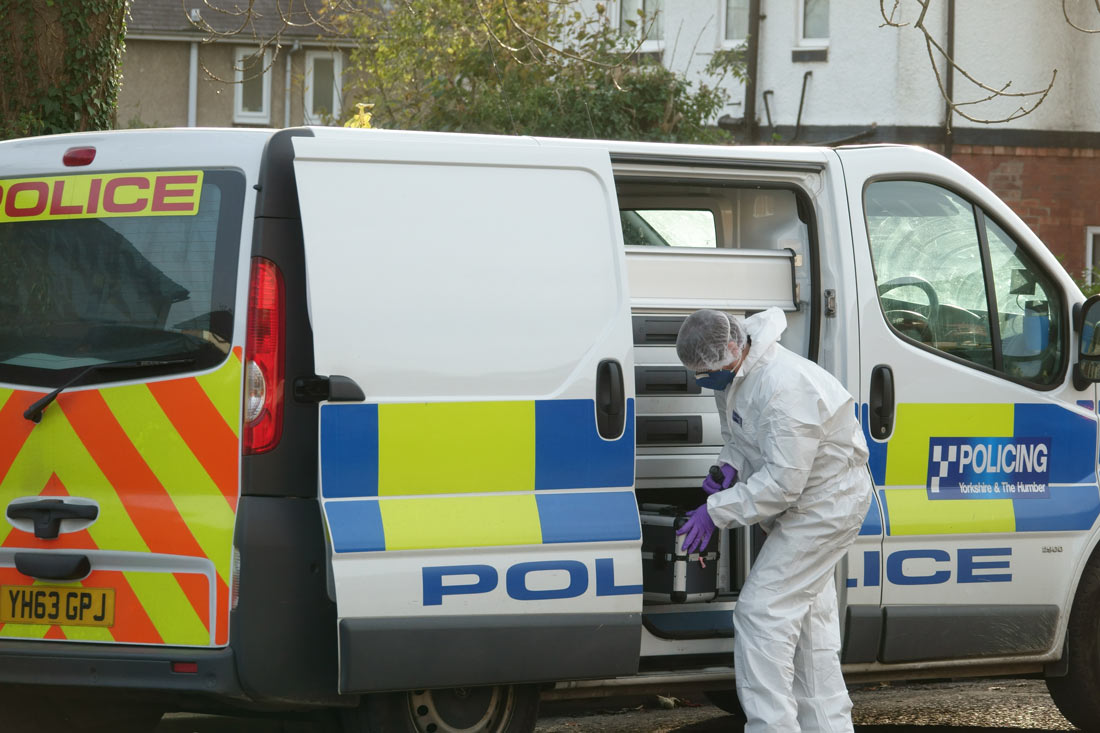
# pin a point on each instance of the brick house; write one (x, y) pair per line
(176, 74)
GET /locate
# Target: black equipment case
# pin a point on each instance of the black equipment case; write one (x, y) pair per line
(669, 575)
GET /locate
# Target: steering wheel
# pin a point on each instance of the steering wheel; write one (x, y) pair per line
(911, 324)
(933, 302)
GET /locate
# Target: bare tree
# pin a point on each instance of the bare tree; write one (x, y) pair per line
(986, 93)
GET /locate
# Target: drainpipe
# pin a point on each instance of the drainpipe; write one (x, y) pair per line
(751, 52)
(286, 86)
(949, 83)
(193, 86)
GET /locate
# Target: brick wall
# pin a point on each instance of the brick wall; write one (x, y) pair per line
(1056, 191)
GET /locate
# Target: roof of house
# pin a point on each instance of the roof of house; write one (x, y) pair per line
(246, 20)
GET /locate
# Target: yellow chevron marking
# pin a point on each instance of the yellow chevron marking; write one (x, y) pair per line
(166, 606)
(223, 387)
(54, 447)
(197, 498)
(24, 631)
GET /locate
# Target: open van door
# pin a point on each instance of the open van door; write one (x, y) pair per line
(468, 301)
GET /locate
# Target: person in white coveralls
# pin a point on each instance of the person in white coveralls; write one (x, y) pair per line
(794, 461)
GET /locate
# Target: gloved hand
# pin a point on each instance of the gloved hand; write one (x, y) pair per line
(720, 477)
(699, 528)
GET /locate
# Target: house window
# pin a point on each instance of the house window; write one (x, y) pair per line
(1092, 255)
(252, 90)
(813, 22)
(651, 28)
(323, 86)
(736, 21)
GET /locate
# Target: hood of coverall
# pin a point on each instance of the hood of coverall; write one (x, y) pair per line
(764, 329)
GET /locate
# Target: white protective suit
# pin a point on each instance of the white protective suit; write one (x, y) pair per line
(791, 432)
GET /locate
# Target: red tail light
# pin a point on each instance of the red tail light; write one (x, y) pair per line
(263, 357)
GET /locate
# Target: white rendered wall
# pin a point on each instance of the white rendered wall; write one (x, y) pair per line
(882, 75)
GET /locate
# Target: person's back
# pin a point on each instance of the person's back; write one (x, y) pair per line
(801, 415)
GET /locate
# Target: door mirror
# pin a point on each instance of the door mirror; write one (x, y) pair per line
(1087, 370)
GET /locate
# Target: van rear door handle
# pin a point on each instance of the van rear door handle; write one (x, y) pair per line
(50, 566)
(48, 513)
(881, 399)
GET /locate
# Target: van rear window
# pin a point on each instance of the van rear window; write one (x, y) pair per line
(108, 268)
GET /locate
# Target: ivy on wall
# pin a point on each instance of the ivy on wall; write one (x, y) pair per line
(60, 63)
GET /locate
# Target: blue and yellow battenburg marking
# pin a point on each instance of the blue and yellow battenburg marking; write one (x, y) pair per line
(1050, 449)
(450, 474)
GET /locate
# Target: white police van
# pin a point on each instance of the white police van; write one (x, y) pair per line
(361, 420)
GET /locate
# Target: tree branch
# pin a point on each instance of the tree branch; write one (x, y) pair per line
(1030, 100)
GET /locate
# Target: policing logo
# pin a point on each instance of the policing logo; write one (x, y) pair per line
(988, 468)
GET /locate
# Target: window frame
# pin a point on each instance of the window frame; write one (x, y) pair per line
(801, 41)
(224, 289)
(1091, 234)
(723, 14)
(241, 115)
(981, 216)
(309, 114)
(649, 45)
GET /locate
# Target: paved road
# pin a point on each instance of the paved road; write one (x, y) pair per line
(977, 706)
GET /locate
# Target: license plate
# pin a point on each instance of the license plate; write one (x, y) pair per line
(60, 605)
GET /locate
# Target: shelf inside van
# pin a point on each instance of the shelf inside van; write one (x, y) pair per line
(666, 278)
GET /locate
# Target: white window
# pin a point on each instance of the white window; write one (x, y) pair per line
(252, 90)
(735, 21)
(323, 86)
(651, 29)
(813, 23)
(1092, 255)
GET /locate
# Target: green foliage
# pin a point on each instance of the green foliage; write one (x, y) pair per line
(536, 68)
(59, 65)
(1088, 288)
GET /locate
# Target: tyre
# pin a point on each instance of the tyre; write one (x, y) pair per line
(1077, 695)
(499, 709)
(727, 700)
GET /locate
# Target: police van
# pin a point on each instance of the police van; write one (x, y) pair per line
(361, 421)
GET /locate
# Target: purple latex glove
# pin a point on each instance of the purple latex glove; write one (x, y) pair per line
(699, 528)
(720, 477)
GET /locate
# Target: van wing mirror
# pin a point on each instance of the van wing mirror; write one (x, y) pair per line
(1087, 369)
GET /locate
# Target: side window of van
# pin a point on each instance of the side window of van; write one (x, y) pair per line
(1028, 310)
(942, 269)
(668, 227)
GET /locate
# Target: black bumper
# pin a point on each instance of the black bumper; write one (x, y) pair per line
(111, 666)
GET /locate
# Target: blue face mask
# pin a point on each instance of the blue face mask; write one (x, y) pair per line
(717, 380)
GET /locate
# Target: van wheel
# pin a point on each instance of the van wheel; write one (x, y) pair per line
(499, 709)
(727, 700)
(1077, 695)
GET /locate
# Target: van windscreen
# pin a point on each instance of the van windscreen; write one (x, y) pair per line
(113, 267)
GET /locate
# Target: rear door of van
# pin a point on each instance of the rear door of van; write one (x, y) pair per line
(468, 303)
(120, 386)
